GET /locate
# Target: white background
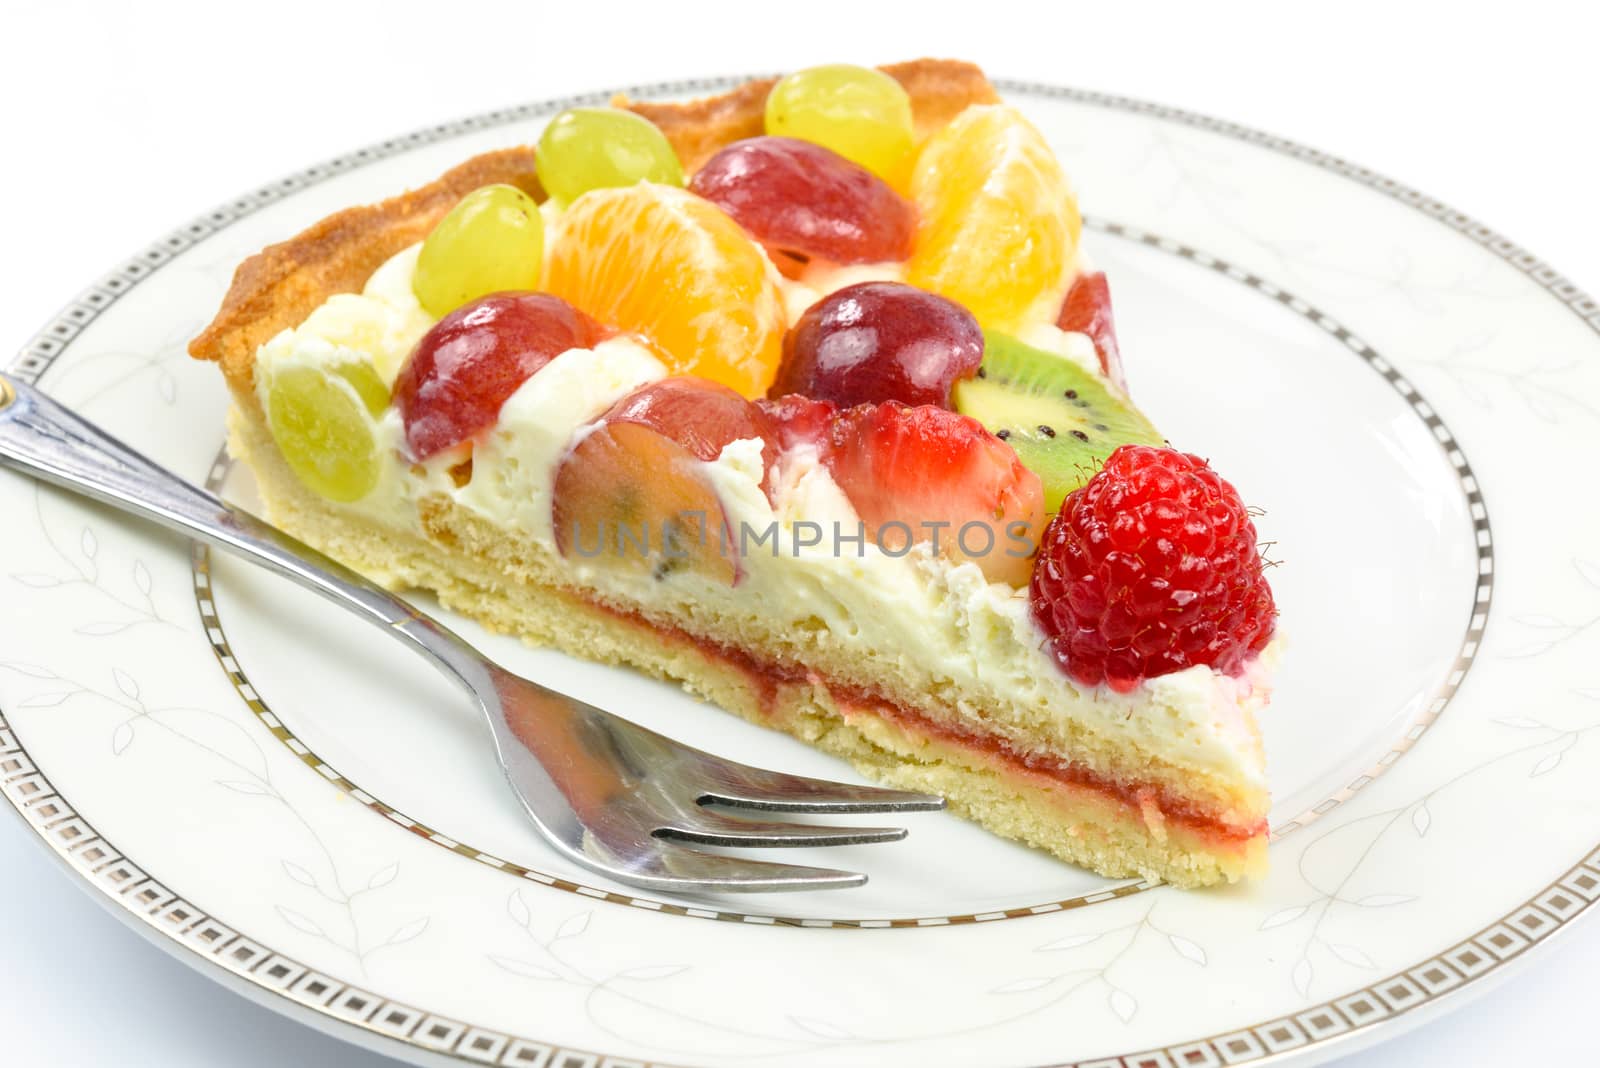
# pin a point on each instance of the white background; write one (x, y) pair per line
(124, 120)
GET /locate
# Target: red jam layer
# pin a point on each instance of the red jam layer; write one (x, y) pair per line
(767, 677)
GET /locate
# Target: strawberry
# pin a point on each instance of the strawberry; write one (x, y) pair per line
(1149, 568)
(1087, 310)
(930, 474)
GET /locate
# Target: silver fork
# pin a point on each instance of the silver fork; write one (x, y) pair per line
(609, 794)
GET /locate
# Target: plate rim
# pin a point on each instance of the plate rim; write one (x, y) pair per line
(179, 934)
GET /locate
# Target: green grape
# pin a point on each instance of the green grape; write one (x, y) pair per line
(598, 148)
(492, 240)
(322, 425)
(364, 379)
(860, 113)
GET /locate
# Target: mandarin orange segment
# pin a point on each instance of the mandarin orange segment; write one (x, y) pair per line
(998, 222)
(674, 268)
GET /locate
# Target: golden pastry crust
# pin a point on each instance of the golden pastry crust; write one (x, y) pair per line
(283, 283)
(939, 90)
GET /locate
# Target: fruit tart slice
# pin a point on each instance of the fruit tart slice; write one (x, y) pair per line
(805, 397)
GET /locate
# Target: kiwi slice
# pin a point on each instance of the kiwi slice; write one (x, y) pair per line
(1062, 420)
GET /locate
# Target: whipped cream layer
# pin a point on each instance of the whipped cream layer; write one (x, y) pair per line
(820, 279)
(942, 621)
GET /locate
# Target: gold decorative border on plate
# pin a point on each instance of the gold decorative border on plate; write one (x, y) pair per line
(73, 841)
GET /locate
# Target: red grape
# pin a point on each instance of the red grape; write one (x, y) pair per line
(801, 199)
(697, 414)
(880, 341)
(635, 470)
(475, 358)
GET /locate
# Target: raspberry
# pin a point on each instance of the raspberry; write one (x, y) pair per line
(1149, 568)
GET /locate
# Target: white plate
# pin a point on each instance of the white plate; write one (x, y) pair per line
(270, 791)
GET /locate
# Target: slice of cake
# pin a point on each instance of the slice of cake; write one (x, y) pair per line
(805, 397)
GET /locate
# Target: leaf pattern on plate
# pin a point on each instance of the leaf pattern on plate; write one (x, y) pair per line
(32, 671)
(525, 969)
(820, 1028)
(1124, 1004)
(102, 630)
(210, 736)
(1302, 975)
(1023, 986)
(1284, 916)
(81, 569)
(558, 952)
(518, 909)
(299, 874)
(574, 926)
(251, 789)
(406, 932)
(1187, 949)
(1555, 631)
(651, 972)
(1352, 955)
(1372, 829)
(303, 924)
(1107, 969)
(1069, 942)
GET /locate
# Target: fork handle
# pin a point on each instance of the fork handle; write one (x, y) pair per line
(44, 439)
